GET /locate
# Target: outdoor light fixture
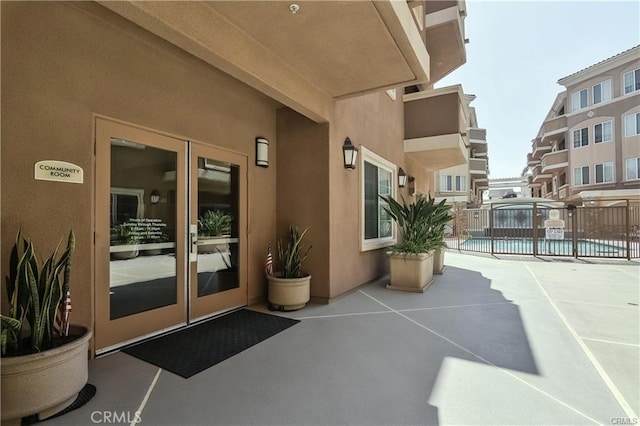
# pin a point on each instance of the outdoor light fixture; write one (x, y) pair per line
(262, 152)
(412, 185)
(154, 197)
(350, 154)
(402, 178)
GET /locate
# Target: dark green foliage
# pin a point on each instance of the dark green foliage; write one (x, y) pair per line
(291, 256)
(35, 292)
(422, 223)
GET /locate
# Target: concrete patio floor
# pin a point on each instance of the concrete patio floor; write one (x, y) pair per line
(492, 341)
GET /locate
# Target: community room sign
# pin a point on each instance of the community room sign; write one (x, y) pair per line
(58, 171)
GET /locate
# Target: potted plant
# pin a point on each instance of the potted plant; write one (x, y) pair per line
(212, 227)
(121, 235)
(411, 260)
(44, 360)
(289, 287)
(437, 236)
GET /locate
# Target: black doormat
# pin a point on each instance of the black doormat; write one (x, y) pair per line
(194, 349)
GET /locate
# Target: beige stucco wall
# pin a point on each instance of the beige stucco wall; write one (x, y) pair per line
(86, 60)
(375, 121)
(303, 191)
(433, 116)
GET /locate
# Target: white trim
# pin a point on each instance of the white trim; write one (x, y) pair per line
(593, 92)
(624, 124)
(595, 173)
(380, 162)
(633, 71)
(612, 132)
(626, 168)
(601, 104)
(601, 67)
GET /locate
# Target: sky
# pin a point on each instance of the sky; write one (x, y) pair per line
(517, 52)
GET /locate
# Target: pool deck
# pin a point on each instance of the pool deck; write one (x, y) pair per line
(492, 341)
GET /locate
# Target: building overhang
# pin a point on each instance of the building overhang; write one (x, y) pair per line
(541, 177)
(553, 167)
(304, 60)
(609, 195)
(437, 152)
(445, 40)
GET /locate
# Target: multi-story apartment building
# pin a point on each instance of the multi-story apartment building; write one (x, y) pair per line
(466, 176)
(588, 147)
(148, 115)
(517, 186)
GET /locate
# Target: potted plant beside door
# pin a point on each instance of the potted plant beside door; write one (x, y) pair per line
(289, 287)
(411, 260)
(44, 365)
(213, 227)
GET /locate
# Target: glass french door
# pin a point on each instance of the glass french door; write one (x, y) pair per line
(170, 241)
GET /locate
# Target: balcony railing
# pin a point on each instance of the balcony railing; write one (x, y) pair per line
(555, 160)
(478, 166)
(435, 127)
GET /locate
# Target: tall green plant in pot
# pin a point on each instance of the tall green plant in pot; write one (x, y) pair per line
(411, 260)
(43, 367)
(289, 288)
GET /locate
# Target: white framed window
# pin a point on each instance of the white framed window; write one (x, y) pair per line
(452, 183)
(602, 92)
(377, 177)
(632, 125)
(579, 100)
(604, 172)
(633, 168)
(602, 132)
(631, 81)
(581, 137)
(554, 185)
(581, 176)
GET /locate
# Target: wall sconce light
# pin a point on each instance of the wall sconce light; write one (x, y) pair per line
(402, 178)
(154, 197)
(350, 154)
(412, 185)
(262, 152)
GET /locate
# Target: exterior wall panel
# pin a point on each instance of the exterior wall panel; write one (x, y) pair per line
(86, 61)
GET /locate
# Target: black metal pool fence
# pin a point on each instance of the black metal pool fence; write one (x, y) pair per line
(549, 229)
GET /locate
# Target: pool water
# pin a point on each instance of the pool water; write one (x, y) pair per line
(545, 247)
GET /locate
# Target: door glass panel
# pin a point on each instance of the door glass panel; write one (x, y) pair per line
(218, 226)
(143, 228)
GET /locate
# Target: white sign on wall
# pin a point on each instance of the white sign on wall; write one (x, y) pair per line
(59, 171)
(554, 234)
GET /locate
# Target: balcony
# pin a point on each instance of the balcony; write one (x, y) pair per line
(477, 167)
(435, 127)
(445, 36)
(540, 147)
(554, 126)
(304, 60)
(555, 160)
(531, 161)
(478, 142)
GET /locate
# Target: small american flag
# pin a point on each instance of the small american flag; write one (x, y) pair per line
(268, 266)
(67, 311)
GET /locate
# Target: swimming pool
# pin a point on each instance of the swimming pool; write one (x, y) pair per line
(545, 247)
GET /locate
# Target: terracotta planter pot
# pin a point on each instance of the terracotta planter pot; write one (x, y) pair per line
(411, 272)
(47, 382)
(438, 261)
(289, 294)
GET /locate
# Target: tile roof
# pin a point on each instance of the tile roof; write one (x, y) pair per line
(598, 63)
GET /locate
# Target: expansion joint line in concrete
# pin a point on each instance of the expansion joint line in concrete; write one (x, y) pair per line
(603, 374)
(473, 354)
